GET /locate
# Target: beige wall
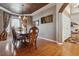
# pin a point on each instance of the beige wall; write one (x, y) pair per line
(48, 30)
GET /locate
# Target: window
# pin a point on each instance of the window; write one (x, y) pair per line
(15, 23)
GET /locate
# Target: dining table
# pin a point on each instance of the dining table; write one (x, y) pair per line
(23, 35)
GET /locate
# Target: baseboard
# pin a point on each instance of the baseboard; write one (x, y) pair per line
(50, 40)
(60, 43)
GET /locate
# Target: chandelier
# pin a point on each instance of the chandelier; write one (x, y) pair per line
(23, 17)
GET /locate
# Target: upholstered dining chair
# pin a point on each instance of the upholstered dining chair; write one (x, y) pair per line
(15, 38)
(33, 34)
(3, 36)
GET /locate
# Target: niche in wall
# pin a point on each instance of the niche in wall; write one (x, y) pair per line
(47, 19)
(36, 22)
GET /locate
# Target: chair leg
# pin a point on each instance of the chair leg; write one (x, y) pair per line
(35, 44)
(14, 44)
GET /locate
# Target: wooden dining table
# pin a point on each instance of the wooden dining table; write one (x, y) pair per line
(23, 35)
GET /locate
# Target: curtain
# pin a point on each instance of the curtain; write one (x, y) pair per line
(6, 18)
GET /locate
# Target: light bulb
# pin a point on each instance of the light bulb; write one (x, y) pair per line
(24, 17)
(19, 17)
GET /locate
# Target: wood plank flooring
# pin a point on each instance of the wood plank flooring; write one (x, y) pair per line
(45, 48)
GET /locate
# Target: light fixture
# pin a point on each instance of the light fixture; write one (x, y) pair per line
(19, 17)
(22, 16)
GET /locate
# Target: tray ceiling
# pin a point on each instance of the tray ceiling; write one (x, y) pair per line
(23, 8)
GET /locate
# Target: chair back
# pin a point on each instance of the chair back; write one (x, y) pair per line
(14, 34)
(3, 36)
(33, 34)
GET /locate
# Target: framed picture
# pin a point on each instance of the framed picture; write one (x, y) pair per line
(36, 22)
(47, 19)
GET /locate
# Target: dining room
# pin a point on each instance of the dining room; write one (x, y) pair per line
(28, 29)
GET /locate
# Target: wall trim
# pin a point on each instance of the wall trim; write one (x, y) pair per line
(50, 40)
(37, 11)
(43, 8)
(63, 7)
(8, 11)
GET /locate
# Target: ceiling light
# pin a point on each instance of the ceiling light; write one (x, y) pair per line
(24, 17)
(19, 17)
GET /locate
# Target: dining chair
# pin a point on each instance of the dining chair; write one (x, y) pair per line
(33, 34)
(14, 37)
(3, 36)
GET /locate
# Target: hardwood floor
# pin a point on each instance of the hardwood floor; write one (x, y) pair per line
(45, 48)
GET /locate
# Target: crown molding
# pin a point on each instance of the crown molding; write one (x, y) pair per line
(39, 10)
(6, 10)
(43, 8)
